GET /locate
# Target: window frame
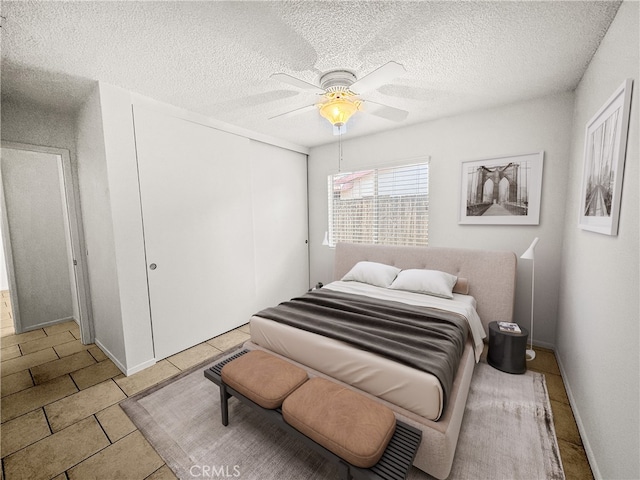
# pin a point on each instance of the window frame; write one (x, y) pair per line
(378, 227)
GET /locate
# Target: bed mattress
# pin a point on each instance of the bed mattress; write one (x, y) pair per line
(417, 391)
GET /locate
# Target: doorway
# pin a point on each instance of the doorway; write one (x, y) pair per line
(41, 239)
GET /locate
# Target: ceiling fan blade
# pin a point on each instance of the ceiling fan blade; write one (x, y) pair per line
(382, 75)
(296, 82)
(292, 113)
(413, 93)
(385, 111)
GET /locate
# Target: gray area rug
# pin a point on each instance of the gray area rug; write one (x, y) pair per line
(507, 433)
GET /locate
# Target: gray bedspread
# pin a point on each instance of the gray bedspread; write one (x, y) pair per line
(431, 341)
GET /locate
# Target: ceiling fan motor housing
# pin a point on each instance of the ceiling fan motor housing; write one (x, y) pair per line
(337, 81)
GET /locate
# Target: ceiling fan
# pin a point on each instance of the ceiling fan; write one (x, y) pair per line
(341, 93)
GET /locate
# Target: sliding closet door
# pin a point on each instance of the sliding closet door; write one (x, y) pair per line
(279, 189)
(195, 187)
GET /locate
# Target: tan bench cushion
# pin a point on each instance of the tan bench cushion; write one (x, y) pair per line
(263, 378)
(347, 423)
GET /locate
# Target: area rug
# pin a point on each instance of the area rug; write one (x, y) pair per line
(507, 433)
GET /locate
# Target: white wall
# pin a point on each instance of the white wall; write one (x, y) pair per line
(34, 125)
(100, 249)
(4, 280)
(532, 126)
(599, 315)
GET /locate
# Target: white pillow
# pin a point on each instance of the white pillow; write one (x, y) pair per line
(373, 273)
(430, 282)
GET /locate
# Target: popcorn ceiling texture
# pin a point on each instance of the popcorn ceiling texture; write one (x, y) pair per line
(215, 58)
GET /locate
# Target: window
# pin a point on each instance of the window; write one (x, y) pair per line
(387, 206)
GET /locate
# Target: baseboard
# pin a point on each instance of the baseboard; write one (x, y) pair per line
(549, 346)
(111, 356)
(49, 324)
(576, 415)
(140, 366)
(123, 369)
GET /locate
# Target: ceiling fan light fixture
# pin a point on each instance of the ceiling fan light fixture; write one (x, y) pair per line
(338, 110)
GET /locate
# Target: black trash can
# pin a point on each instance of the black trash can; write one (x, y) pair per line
(507, 350)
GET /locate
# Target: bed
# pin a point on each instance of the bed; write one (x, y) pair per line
(486, 282)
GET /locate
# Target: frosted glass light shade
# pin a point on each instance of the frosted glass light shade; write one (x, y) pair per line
(339, 110)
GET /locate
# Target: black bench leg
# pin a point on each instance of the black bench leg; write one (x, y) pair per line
(344, 472)
(224, 404)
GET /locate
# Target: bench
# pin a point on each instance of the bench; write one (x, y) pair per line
(329, 418)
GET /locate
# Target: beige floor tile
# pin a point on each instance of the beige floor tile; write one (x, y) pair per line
(146, 378)
(131, 457)
(45, 372)
(76, 332)
(556, 389)
(94, 374)
(6, 332)
(73, 408)
(10, 352)
(56, 453)
(574, 461)
(16, 382)
(163, 473)
(97, 353)
(28, 361)
(193, 356)
(22, 338)
(115, 422)
(60, 327)
(245, 328)
(228, 340)
(46, 342)
(69, 348)
(6, 320)
(564, 423)
(23, 431)
(35, 397)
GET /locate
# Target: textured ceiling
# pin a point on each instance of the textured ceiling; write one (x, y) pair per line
(216, 58)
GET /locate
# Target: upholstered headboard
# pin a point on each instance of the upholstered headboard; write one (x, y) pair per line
(491, 274)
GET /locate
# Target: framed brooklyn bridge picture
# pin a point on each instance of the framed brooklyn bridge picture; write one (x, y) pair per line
(502, 190)
(604, 155)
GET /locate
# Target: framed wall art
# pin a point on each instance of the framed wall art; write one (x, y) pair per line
(502, 190)
(604, 155)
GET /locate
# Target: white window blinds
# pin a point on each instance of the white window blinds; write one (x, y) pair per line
(388, 206)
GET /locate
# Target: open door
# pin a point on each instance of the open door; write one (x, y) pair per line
(41, 238)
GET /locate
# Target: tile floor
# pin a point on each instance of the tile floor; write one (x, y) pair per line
(574, 458)
(61, 419)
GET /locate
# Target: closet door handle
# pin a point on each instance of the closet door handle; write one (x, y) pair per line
(153, 266)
